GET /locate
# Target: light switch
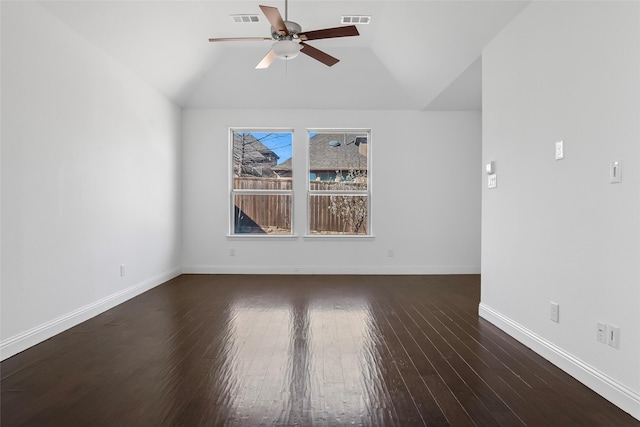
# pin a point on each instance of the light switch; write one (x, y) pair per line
(492, 181)
(615, 172)
(613, 338)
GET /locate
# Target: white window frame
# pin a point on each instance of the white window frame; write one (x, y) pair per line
(233, 192)
(367, 192)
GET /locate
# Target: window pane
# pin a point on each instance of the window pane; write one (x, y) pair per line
(339, 157)
(338, 214)
(262, 155)
(262, 214)
(262, 190)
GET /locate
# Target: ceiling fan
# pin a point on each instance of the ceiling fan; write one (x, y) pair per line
(289, 40)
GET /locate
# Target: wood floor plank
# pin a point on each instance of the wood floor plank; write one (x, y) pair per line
(544, 384)
(254, 350)
(536, 401)
(423, 399)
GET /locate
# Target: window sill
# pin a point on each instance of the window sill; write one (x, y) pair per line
(338, 236)
(261, 236)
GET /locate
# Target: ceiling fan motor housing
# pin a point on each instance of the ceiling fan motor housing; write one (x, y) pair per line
(293, 27)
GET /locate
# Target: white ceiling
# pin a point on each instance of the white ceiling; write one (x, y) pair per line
(417, 54)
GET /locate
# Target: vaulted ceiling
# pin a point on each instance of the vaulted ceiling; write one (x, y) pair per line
(418, 54)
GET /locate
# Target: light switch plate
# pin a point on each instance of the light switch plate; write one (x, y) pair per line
(615, 172)
(492, 181)
(613, 336)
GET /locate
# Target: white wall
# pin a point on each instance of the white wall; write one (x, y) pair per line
(425, 202)
(558, 230)
(90, 180)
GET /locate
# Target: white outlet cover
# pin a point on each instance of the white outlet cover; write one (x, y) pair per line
(555, 312)
(559, 150)
(601, 334)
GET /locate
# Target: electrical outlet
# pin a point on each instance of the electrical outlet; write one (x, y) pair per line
(613, 336)
(559, 150)
(232, 251)
(601, 334)
(122, 270)
(390, 253)
(555, 312)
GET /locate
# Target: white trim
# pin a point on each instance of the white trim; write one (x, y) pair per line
(338, 236)
(230, 176)
(40, 333)
(620, 395)
(261, 236)
(334, 269)
(368, 192)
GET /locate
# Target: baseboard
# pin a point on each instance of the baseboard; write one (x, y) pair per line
(336, 269)
(626, 399)
(36, 335)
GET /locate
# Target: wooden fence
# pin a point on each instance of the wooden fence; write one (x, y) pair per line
(272, 212)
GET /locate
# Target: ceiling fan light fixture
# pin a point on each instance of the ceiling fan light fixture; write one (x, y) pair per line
(286, 49)
(289, 38)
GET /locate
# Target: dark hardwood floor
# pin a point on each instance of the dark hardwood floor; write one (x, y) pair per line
(295, 350)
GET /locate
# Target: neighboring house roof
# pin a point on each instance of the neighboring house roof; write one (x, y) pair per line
(327, 156)
(285, 166)
(255, 157)
(253, 149)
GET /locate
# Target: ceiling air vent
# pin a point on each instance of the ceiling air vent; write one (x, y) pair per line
(355, 19)
(244, 19)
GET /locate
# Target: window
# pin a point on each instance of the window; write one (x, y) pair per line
(339, 188)
(261, 188)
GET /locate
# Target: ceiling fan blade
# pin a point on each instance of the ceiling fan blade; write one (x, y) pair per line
(319, 55)
(267, 60)
(274, 17)
(238, 39)
(329, 33)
